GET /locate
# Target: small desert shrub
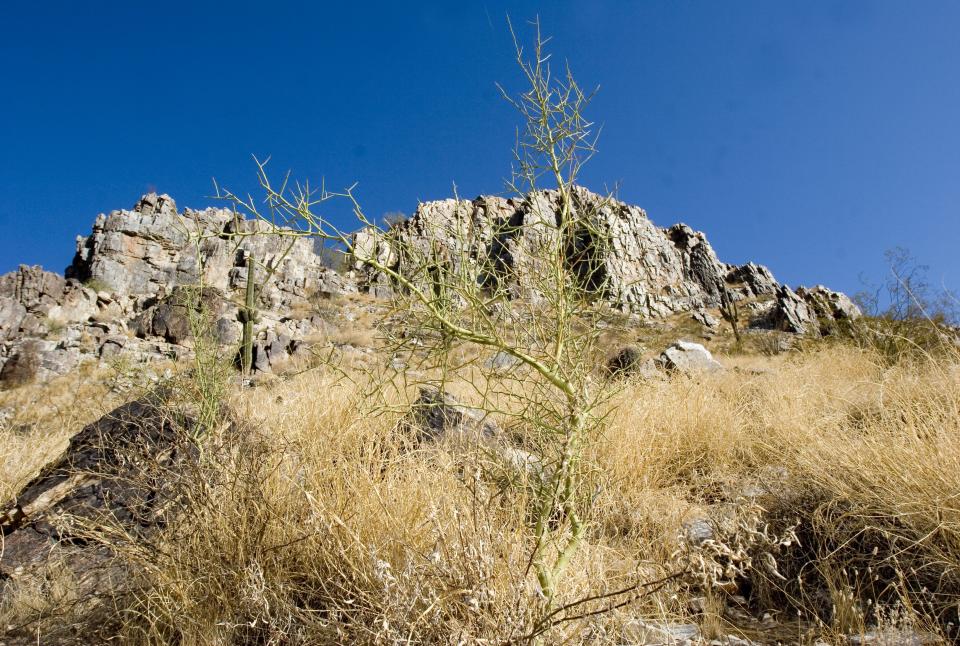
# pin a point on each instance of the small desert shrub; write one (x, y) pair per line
(97, 285)
(897, 340)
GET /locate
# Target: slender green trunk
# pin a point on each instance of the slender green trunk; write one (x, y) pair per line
(247, 316)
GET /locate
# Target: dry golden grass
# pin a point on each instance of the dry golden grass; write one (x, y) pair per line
(42, 419)
(322, 525)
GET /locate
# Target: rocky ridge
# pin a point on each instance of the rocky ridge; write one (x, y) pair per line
(643, 269)
(124, 293)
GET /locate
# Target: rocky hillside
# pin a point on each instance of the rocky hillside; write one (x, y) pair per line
(122, 295)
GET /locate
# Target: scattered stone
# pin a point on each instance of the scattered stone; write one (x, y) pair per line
(894, 636)
(689, 358)
(660, 634)
(440, 416)
(705, 319)
(501, 362)
(698, 530)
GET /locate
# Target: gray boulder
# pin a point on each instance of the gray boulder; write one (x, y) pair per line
(659, 633)
(828, 304)
(12, 314)
(440, 416)
(689, 358)
(170, 319)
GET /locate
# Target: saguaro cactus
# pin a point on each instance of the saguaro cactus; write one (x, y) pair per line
(730, 311)
(248, 316)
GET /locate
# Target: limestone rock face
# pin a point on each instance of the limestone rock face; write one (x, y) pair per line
(124, 288)
(122, 294)
(641, 268)
(828, 304)
(153, 248)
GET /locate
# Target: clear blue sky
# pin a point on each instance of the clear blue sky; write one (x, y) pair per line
(809, 136)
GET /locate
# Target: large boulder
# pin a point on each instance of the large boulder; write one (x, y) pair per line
(120, 479)
(689, 358)
(440, 418)
(174, 317)
(12, 313)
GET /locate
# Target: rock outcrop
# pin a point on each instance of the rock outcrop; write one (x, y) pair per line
(154, 248)
(638, 267)
(124, 293)
(642, 268)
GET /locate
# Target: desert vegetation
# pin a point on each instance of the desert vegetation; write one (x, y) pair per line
(461, 464)
(812, 489)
